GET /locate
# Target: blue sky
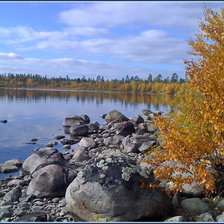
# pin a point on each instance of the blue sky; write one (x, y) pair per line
(112, 39)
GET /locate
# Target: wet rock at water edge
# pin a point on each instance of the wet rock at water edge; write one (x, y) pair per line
(69, 141)
(73, 120)
(85, 118)
(33, 139)
(59, 137)
(66, 147)
(114, 115)
(11, 166)
(3, 121)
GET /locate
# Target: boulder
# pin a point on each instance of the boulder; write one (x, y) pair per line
(79, 130)
(137, 120)
(142, 128)
(194, 206)
(85, 118)
(87, 142)
(50, 181)
(146, 146)
(113, 140)
(73, 120)
(108, 189)
(114, 115)
(42, 157)
(93, 127)
(80, 155)
(125, 128)
(194, 189)
(132, 144)
(13, 195)
(11, 166)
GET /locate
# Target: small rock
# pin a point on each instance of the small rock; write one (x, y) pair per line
(56, 200)
(220, 218)
(33, 139)
(59, 137)
(146, 146)
(221, 204)
(33, 217)
(50, 144)
(176, 219)
(66, 146)
(5, 211)
(204, 217)
(68, 141)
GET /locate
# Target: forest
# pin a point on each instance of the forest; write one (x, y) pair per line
(170, 85)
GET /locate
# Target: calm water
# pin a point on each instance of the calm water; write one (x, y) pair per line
(40, 113)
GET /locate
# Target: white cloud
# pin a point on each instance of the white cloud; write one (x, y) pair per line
(9, 56)
(62, 66)
(113, 14)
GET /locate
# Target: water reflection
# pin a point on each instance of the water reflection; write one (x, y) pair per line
(99, 98)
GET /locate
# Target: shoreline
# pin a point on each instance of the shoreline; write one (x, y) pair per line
(109, 162)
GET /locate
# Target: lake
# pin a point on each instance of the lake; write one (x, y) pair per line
(40, 114)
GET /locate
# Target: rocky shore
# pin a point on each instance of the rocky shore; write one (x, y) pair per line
(100, 180)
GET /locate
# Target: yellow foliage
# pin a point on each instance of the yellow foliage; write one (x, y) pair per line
(193, 135)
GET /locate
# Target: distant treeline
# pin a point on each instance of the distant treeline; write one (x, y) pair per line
(171, 85)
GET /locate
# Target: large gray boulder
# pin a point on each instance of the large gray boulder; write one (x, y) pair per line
(50, 181)
(195, 206)
(108, 188)
(114, 115)
(43, 157)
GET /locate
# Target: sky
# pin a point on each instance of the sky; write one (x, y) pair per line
(113, 39)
